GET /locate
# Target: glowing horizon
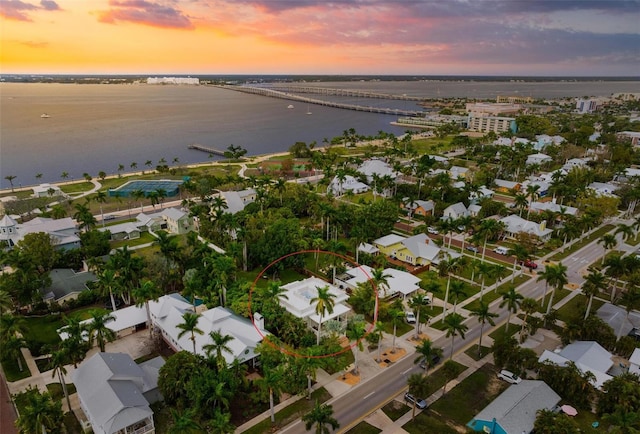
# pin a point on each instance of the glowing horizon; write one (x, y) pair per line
(372, 37)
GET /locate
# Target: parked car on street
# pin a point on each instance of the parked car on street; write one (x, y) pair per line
(432, 230)
(410, 317)
(500, 250)
(435, 359)
(420, 403)
(509, 377)
(529, 264)
(472, 248)
(634, 333)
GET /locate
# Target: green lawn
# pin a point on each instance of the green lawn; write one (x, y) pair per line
(577, 306)
(464, 401)
(395, 410)
(490, 296)
(426, 422)
(77, 187)
(55, 389)
(11, 370)
(145, 237)
(502, 331)
(437, 379)
(472, 352)
(290, 413)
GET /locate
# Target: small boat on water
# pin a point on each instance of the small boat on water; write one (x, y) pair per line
(44, 116)
(308, 111)
(290, 106)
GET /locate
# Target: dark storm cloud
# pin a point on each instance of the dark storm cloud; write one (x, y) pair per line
(147, 13)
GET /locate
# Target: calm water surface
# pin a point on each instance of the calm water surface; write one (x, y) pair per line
(95, 128)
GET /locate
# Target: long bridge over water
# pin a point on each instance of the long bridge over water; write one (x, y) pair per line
(289, 96)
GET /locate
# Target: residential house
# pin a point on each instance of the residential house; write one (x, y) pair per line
(369, 249)
(123, 231)
(505, 186)
(573, 163)
(66, 284)
(515, 410)
(339, 187)
(298, 297)
(588, 356)
(515, 224)
(237, 200)
(540, 207)
(538, 159)
(456, 172)
(398, 282)
(455, 211)
(544, 140)
(63, 232)
(47, 190)
(634, 362)
(172, 220)
(418, 250)
(603, 188)
(376, 166)
(115, 393)
(634, 136)
(420, 208)
(483, 192)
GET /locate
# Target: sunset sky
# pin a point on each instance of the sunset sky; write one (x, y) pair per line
(421, 37)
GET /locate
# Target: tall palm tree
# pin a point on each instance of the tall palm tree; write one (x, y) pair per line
(555, 275)
(272, 382)
(484, 315)
(324, 304)
(355, 332)
(427, 353)
(489, 229)
(84, 217)
(101, 198)
(417, 304)
(218, 346)
(594, 282)
(311, 361)
(321, 415)
(144, 293)
(630, 300)
(528, 306)
(58, 361)
(454, 326)
(418, 387)
(10, 178)
(396, 316)
(512, 300)
(6, 303)
(109, 282)
(616, 267)
(12, 349)
(608, 242)
(447, 267)
(98, 330)
(457, 290)
(10, 325)
(380, 280)
(626, 231)
(190, 325)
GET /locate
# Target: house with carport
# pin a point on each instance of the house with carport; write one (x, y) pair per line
(588, 356)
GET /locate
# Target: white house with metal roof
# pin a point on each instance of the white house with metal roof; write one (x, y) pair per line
(299, 296)
(376, 166)
(588, 356)
(64, 231)
(338, 187)
(514, 411)
(515, 224)
(455, 211)
(398, 281)
(237, 200)
(115, 393)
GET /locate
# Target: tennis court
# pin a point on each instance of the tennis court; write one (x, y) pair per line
(171, 187)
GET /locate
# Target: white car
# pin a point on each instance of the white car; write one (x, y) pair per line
(501, 250)
(410, 317)
(432, 230)
(509, 377)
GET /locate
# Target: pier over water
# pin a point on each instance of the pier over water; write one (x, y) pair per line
(289, 96)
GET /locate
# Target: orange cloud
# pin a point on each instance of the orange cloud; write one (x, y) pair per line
(146, 13)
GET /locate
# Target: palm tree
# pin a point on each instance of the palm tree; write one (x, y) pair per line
(417, 304)
(512, 300)
(10, 325)
(144, 293)
(190, 325)
(608, 242)
(626, 231)
(10, 178)
(84, 217)
(457, 290)
(489, 229)
(324, 303)
(311, 361)
(109, 282)
(631, 301)
(218, 346)
(454, 326)
(98, 330)
(594, 282)
(447, 267)
(520, 202)
(40, 413)
(184, 422)
(428, 354)
(272, 381)
(58, 360)
(396, 315)
(418, 387)
(321, 415)
(484, 315)
(616, 268)
(380, 280)
(6, 303)
(101, 198)
(355, 332)
(555, 275)
(528, 306)
(12, 349)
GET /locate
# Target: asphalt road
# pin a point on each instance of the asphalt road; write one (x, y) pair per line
(364, 398)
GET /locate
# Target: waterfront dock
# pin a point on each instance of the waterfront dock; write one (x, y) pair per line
(212, 151)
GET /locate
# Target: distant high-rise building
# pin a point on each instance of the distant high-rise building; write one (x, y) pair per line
(487, 124)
